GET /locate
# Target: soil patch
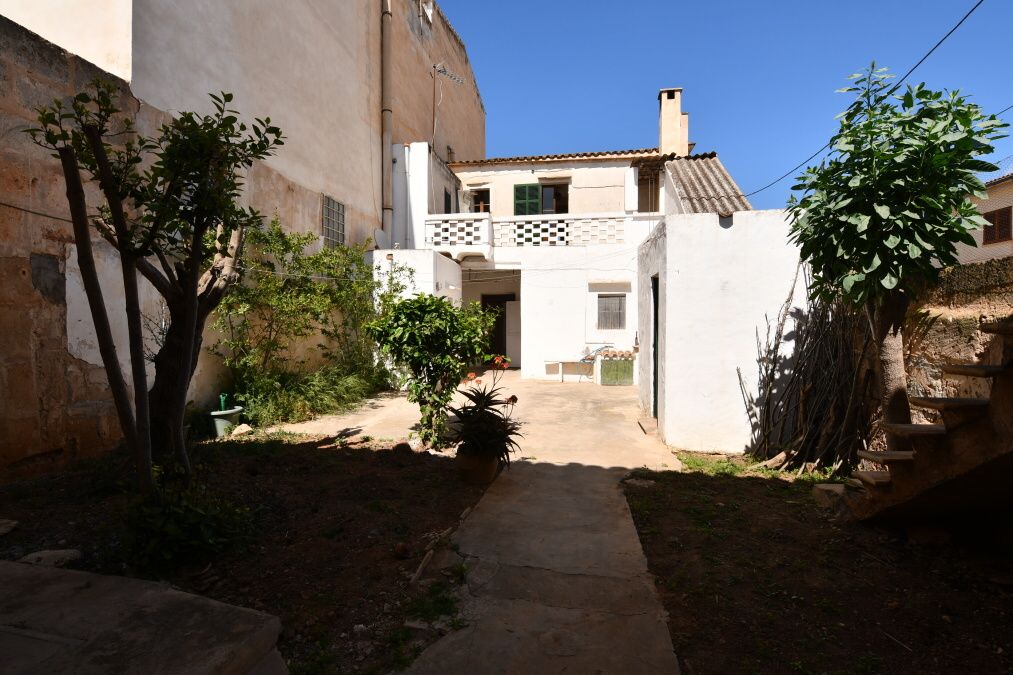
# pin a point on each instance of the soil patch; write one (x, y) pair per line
(338, 530)
(756, 579)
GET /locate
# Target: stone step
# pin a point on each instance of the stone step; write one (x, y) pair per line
(888, 456)
(945, 403)
(909, 430)
(997, 327)
(873, 478)
(973, 369)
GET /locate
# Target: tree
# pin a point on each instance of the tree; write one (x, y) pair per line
(436, 342)
(171, 213)
(879, 216)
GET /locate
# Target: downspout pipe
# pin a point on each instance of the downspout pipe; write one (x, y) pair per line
(386, 117)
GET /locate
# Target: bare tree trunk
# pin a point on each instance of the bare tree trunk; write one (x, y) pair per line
(887, 325)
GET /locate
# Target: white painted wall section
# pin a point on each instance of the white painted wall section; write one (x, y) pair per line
(431, 272)
(722, 279)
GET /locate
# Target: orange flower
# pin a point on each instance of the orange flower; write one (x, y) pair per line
(513, 399)
(478, 381)
(471, 376)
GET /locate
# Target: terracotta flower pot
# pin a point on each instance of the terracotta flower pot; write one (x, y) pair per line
(477, 469)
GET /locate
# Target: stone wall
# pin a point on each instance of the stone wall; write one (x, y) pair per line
(944, 327)
(53, 406)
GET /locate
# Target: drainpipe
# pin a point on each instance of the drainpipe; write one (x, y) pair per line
(386, 117)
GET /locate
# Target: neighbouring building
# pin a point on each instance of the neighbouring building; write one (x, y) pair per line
(995, 240)
(346, 81)
(552, 240)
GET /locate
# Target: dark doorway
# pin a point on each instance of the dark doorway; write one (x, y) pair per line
(499, 333)
(654, 346)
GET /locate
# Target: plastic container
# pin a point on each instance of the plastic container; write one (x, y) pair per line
(224, 419)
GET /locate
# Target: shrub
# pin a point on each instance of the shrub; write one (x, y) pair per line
(294, 397)
(435, 342)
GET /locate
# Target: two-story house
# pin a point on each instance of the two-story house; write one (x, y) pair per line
(551, 240)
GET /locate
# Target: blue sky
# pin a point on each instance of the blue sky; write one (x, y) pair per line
(758, 77)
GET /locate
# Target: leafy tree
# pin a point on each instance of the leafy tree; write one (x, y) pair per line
(435, 342)
(171, 212)
(879, 216)
(288, 297)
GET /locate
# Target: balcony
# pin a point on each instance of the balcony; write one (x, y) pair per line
(464, 234)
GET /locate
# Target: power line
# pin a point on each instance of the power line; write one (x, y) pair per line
(893, 89)
(36, 213)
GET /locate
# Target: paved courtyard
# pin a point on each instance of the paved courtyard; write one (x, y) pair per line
(557, 580)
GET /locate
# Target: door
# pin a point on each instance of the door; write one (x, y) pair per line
(513, 332)
(654, 346)
(498, 344)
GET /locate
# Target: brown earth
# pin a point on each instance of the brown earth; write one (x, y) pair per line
(756, 579)
(338, 529)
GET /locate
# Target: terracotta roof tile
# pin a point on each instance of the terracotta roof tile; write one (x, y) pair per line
(604, 154)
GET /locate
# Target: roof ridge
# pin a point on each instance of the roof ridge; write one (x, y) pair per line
(647, 152)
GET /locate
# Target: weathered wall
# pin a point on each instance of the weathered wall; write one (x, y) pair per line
(419, 44)
(53, 405)
(944, 327)
(720, 279)
(312, 68)
(595, 186)
(999, 196)
(97, 31)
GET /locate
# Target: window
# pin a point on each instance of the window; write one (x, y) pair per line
(333, 222)
(1000, 228)
(480, 201)
(611, 312)
(448, 203)
(535, 198)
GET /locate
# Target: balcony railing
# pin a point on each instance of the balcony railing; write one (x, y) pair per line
(464, 232)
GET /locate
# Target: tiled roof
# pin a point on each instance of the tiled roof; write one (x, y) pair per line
(705, 186)
(604, 154)
(1003, 174)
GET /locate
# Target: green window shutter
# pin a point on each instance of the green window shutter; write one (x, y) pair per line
(527, 199)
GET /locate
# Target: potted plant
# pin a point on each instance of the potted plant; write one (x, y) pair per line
(484, 430)
(225, 418)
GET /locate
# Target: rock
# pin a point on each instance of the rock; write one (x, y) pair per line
(403, 449)
(359, 628)
(241, 430)
(828, 495)
(54, 558)
(6, 526)
(415, 624)
(414, 443)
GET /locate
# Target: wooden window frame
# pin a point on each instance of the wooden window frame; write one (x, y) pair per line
(620, 314)
(1000, 227)
(528, 199)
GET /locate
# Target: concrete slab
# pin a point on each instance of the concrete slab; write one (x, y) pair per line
(63, 621)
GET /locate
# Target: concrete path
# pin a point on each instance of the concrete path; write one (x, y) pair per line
(557, 580)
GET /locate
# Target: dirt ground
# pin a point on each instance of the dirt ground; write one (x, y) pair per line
(756, 579)
(338, 529)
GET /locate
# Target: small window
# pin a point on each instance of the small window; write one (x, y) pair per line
(448, 202)
(333, 222)
(535, 198)
(1000, 228)
(480, 201)
(611, 312)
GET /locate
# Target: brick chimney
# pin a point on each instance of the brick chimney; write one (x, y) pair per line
(673, 124)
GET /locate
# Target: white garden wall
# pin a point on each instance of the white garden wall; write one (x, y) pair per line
(720, 280)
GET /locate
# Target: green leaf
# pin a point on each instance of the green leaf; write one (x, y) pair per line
(882, 211)
(892, 241)
(889, 281)
(850, 281)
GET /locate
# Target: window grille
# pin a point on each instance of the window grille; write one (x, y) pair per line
(333, 220)
(611, 312)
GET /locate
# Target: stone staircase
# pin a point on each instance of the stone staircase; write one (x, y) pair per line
(963, 464)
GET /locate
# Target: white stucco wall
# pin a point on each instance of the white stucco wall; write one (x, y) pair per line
(430, 272)
(721, 279)
(595, 186)
(97, 30)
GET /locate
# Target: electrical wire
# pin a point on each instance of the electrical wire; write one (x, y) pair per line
(890, 92)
